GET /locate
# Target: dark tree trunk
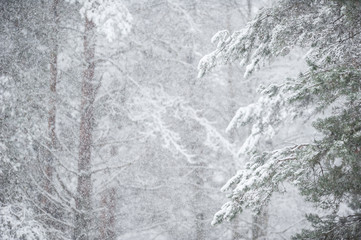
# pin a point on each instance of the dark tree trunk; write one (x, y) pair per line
(52, 99)
(53, 75)
(83, 212)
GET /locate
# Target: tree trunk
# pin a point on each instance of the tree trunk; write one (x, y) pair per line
(83, 212)
(235, 232)
(52, 99)
(107, 229)
(260, 221)
(53, 75)
(200, 233)
(196, 177)
(259, 226)
(249, 10)
(48, 207)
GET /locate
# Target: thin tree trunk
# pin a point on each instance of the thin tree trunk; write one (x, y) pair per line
(53, 75)
(52, 100)
(196, 177)
(108, 204)
(48, 207)
(83, 212)
(107, 229)
(249, 9)
(236, 235)
(260, 224)
(260, 221)
(235, 232)
(198, 202)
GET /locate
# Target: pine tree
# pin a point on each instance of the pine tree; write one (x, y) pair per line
(95, 13)
(327, 170)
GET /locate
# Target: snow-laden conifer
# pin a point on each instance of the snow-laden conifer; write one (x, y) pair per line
(326, 170)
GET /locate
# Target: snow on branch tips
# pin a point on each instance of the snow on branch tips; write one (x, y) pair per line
(159, 112)
(253, 186)
(111, 17)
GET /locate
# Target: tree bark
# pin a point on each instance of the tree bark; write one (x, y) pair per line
(107, 229)
(83, 223)
(48, 207)
(53, 75)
